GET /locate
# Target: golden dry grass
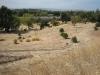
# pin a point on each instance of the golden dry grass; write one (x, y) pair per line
(81, 58)
(35, 39)
(28, 40)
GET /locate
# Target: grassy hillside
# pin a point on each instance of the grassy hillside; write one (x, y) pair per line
(81, 58)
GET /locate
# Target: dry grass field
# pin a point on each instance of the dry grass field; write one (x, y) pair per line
(45, 52)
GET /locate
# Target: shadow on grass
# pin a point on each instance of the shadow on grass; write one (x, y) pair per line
(7, 59)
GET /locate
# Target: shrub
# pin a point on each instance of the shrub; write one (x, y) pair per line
(75, 19)
(23, 37)
(61, 30)
(29, 24)
(44, 23)
(15, 41)
(74, 39)
(28, 40)
(20, 37)
(55, 23)
(2, 39)
(64, 35)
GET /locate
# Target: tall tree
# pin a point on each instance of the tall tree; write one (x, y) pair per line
(7, 20)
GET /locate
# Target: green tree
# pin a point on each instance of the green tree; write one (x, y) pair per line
(43, 24)
(98, 15)
(64, 17)
(7, 20)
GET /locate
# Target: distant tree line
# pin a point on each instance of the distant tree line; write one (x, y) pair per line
(11, 19)
(91, 16)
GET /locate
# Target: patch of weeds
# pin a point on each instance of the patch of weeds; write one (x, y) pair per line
(28, 40)
(35, 39)
(61, 30)
(16, 41)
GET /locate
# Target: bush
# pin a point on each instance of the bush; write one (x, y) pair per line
(44, 23)
(20, 37)
(15, 41)
(23, 38)
(75, 19)
(61, 30)
(74, 39)
(29, 24)
(55, 23)
(64, 35)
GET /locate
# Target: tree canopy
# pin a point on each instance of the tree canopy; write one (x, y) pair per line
(8, 21)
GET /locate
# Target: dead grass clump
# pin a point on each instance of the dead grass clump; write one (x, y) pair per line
(16, 41)
(28, 40)
(21, 40)
(35, 39)
(2, 39)
(29, 36)
(23, 37)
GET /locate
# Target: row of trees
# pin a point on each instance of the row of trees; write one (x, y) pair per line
(91, 16)
(82, 16)
(11, 19)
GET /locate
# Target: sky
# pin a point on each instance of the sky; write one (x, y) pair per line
(53, 4)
